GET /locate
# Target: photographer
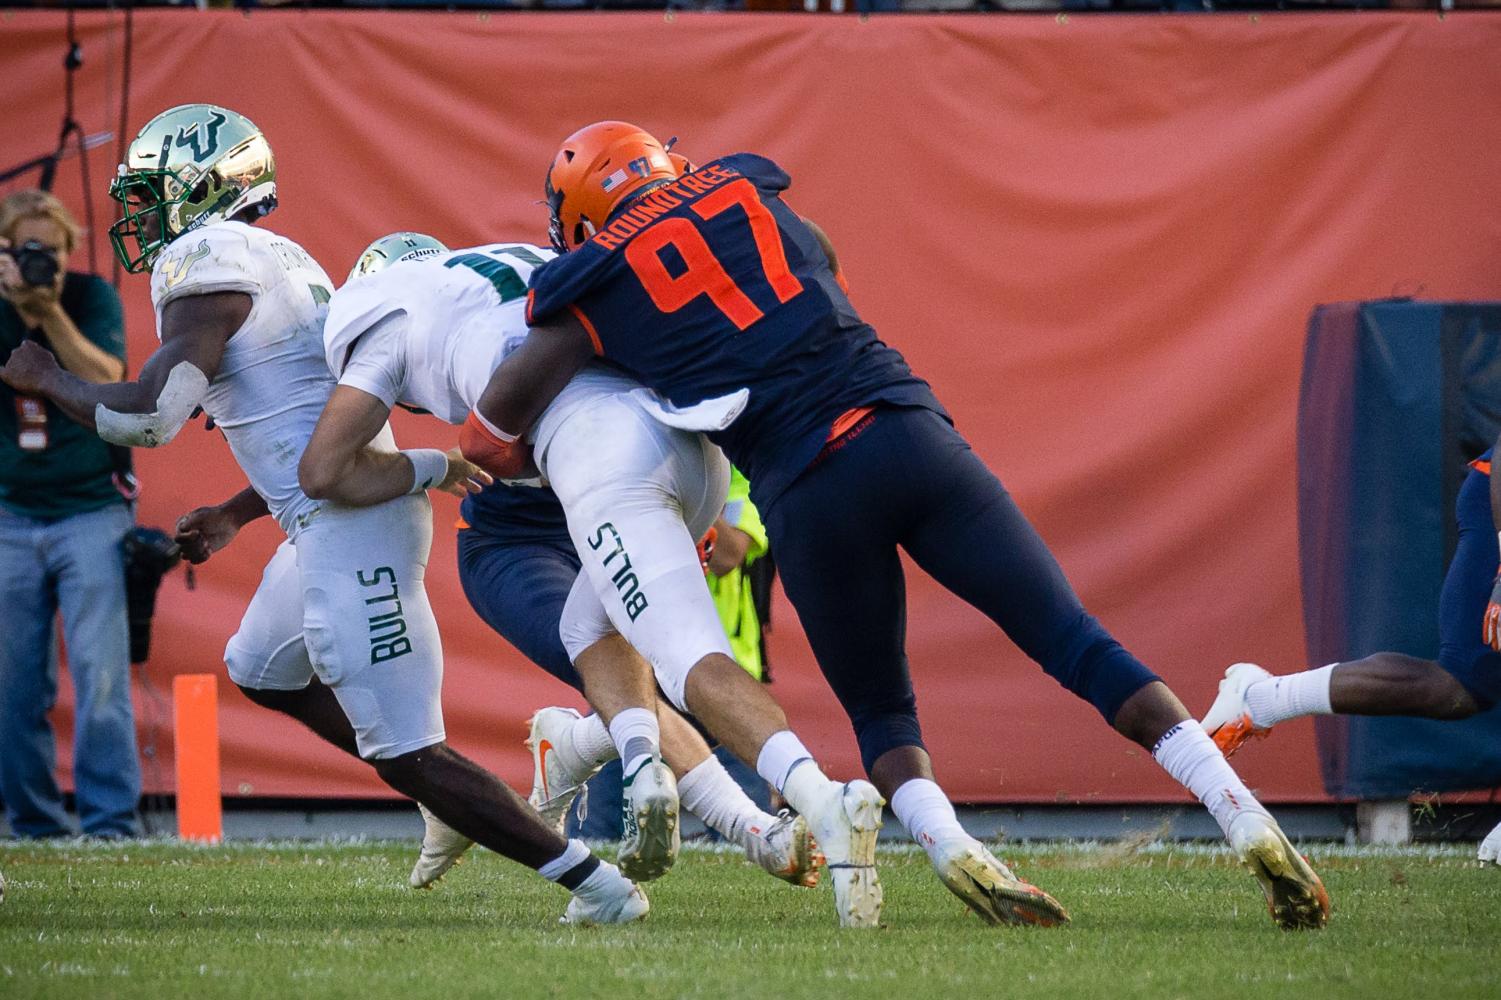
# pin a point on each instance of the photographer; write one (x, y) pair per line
(62, 518)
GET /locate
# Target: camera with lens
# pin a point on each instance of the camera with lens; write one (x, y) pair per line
(149, 554)
(36, 262)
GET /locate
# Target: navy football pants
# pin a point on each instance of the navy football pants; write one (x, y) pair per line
(518, 588)
(907, 478)
(1467, 591)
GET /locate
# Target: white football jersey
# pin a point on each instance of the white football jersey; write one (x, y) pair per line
(429, 333)
(273, 381)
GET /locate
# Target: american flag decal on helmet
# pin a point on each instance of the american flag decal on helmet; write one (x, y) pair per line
(640, 166)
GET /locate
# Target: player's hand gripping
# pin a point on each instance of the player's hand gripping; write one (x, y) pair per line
(202, 532)
(464, 477)
(1492, 628)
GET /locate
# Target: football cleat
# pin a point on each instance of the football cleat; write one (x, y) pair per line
(1228, 721)
(621, 907)
(786, 849)
(1294, 895)
(557, 775)
(1490, 847)
(846, 827)
(649, 813)
(990, 889)
(442, 848)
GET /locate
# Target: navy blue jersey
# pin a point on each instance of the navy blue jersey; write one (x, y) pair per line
(516, 513)
(712, 284)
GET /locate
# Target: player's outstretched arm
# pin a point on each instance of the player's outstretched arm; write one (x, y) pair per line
(339, 464)
(151, 410)
(519, 390)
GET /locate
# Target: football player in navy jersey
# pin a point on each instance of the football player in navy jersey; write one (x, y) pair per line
(707, 288)
(1464, 680)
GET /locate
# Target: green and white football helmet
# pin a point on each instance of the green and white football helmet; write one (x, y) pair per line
(394, 249)
(190, 166)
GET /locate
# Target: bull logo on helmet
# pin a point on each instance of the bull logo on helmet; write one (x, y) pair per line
(203, 137)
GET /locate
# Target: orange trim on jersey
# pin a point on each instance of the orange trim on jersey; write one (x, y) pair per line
(589, 329)
(1484, 468)
(848, 419)
(461, 524)
(844, 284)
(531, 300)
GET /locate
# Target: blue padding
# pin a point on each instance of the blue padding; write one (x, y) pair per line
(1396, 396)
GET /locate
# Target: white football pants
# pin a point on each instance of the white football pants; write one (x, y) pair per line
(346, 602)
(638, 494)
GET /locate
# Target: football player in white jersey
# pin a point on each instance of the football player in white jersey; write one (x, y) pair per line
(240, 314)
(637, 487)
(567, 749)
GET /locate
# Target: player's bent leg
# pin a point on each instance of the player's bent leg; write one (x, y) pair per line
(476, 804)
(615, 675)
(1251, 701)
(1464, 680)
(782, 845)
(845, 819)
(639, 554)
(372, 638)
(268, 659)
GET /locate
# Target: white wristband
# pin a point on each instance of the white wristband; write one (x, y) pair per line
(429, 467)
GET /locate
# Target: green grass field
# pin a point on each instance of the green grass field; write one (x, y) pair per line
(337, 920)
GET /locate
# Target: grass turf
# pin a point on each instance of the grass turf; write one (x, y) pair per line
(161, 920)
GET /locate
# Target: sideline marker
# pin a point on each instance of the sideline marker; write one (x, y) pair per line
(195, 727)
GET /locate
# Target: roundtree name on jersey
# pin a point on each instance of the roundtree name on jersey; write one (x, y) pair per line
(712, 284)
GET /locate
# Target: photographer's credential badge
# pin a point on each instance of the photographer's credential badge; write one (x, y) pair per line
(31, 423)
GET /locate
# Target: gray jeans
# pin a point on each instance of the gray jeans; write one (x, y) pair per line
(73, 566)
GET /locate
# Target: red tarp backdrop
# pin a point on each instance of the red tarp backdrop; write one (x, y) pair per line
(1099, 238)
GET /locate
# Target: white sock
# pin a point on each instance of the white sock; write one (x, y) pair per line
(709, 793)
(1290, 696)
(591, 741)
(635, 734)
(603, 883)
(575, 854)
(791, 769)
(926, 812)
(779, 755)
(1189, 755)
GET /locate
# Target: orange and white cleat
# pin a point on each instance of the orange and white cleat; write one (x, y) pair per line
(1228, 721)
(786, 850)
(1295, 896)
(558, 775)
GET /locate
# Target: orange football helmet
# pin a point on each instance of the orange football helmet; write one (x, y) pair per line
(597, 168)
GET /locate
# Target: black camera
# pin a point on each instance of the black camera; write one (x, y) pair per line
(36, 262)
(149, 554)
